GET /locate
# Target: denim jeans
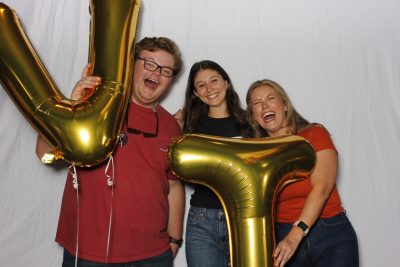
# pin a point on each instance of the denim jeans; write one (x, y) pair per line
(207, 240)
(331, 242)
(163, 260)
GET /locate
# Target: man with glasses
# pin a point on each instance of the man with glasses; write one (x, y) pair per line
(147, 201)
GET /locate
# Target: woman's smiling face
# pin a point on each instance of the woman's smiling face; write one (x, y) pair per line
(210, 87)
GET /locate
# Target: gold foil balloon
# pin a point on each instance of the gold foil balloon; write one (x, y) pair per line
(246, 175)
(83, 132)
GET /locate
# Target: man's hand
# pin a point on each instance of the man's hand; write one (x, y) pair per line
(86, 85)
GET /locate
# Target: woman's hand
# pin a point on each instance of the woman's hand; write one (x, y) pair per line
(286, 248)
(86, 85)
(179, 118)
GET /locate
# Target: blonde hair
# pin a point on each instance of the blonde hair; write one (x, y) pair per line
(294, 120)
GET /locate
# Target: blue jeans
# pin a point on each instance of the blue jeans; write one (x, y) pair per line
(331, 242)
(207, 240)
(163, 260)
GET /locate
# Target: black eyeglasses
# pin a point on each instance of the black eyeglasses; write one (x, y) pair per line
(136, 131)
(152, 66)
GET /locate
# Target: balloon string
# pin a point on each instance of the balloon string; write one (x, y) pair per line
(110, 183)
(122, 139)
(110, 178)
(75, 184)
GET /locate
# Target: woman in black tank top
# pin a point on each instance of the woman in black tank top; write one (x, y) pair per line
(212, 107)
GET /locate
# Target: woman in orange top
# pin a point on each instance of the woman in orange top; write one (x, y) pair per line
(311, 226)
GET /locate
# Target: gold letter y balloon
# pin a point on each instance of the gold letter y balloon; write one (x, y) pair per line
(83, 132)
(246, 175)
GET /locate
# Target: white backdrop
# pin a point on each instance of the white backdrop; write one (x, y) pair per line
(339, 61)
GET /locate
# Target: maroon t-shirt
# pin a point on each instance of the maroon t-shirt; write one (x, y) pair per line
(139, 199)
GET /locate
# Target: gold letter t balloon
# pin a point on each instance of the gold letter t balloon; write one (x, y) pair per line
(246, 175)
(83, 132)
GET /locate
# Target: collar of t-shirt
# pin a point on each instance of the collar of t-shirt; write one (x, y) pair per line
(141, 118)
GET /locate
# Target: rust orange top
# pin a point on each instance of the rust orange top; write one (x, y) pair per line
(292, 198)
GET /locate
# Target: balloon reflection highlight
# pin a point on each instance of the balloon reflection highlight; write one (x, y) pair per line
(246, 175)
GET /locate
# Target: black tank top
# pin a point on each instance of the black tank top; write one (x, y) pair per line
(203, 197)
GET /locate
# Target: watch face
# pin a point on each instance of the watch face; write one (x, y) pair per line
(302, 226)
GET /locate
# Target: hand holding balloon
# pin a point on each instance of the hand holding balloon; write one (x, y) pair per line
(82, 90)
(85, 87)
(83, 132)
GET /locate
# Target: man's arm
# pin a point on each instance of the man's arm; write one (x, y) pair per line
(176, 199)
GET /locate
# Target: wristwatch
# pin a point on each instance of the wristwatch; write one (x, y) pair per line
(176, 241)
(303, 226)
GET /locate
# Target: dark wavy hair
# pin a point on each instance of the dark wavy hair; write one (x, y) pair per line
(195, 111)
(294, 120)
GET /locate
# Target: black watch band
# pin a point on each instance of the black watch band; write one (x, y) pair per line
(176, 241)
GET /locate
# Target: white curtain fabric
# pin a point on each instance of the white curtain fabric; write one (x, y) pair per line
(338, 60)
